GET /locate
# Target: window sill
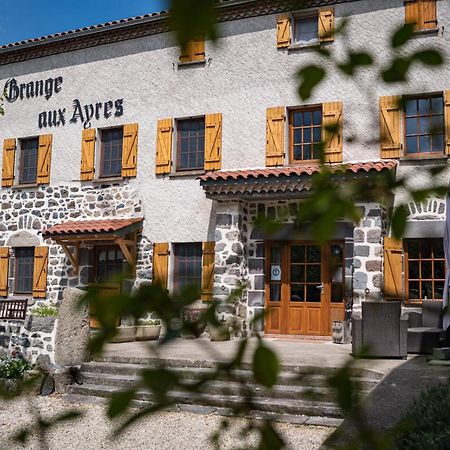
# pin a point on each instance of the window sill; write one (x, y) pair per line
(200, 62)
(435, 157)
(25, 186)
(187, 173)
(299, 46)
(107, 180)
(426, 32)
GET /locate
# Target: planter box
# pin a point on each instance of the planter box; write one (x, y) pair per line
(124, 334)
(147, 332)
(220, 333)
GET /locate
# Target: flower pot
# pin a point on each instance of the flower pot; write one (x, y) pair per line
(194, 327)
(147, 332)
(124, 334)
(219, 333)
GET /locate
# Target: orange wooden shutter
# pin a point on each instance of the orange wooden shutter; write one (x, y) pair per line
(213, 141)
(194, 51)
(44, 158)
(326, 24)
(393, 256)
(40, 272)
(390, 117)
(129, 150)
(9, 153)
(275, 118)
(208, 270)
(283, 30)
(164, 146)
(412, 12)
(161, 264)
(447, 120)
(332, 133)
(4, 262)
(87, 154)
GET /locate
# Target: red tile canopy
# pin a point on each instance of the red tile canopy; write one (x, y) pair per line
(282, 182)
(89, 227)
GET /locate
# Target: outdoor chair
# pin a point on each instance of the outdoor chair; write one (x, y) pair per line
(381, 330)
(425, 330)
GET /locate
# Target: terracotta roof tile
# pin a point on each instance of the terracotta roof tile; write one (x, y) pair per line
(89, 226)
(308, 169)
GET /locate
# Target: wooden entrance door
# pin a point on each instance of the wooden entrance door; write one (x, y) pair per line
(304, 287)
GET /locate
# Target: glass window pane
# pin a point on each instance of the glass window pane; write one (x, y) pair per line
(297, 119)
(413, 248)
(297, 253)
(424, 105)
(414, 290)
(313, 253)
(275, 292)
(317, 134)
(427, 290)
(307, 116)
(425, 144)
(437, 105)
(438, 248)
(411, 106)
(437, 143)
(413, 269)
(306, 135)
(298, 136)
(317, 117)
(411, 125)
(425, 248)
(437, 124)
(306, 29)
(307, 152)
(424, 125)
(298, 153)
(439, 270)
(337, 292)
(411, 144)
(426, 270)
(297, 292)
(275, 254)
(297, 273)
(313, 273)
(313, 293)
(438, 289)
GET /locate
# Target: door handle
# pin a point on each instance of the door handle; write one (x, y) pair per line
(320, 286)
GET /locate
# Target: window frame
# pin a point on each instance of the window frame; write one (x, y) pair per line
(20, 161)
(177, 145)
(419, 155)
(432, 259)
(101, 153)
(290, 114)
(176, 284)
(16, 290)
(107, 248)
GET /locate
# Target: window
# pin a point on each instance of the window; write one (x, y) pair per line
(191, 144)
(424, 269)
(111, 152)
(306, 30)
(23, 270)
(187, 265)
(421, 13)
(109, 262)
(305, 129)
(28, 160)
(424, 125)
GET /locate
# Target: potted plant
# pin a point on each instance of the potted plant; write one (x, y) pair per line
(193, 323)
(148, 330)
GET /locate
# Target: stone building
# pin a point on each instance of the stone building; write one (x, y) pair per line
(118, 151)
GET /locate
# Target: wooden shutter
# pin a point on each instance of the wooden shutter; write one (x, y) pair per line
(390, 117)
(447, 120)
(161, 264)
(4, 261)
(194, 51)
(333, 136)
(44, 159)
(129, 150)
(275, 118)
(283, 30)
(164, 146)
(393, 256)
(421, 13)
(87, 154)
(208, 270)
(40, 272)
(326, 24)
(213, 141)
(9, 153)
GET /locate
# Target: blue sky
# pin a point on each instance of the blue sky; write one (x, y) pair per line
(24, 19)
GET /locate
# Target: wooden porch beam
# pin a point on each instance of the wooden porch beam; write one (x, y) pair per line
(74, 257)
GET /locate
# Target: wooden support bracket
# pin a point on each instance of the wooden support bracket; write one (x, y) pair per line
(74, 257)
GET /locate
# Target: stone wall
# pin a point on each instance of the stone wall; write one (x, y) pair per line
(29, 338)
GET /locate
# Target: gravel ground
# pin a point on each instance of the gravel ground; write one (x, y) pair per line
(168, 430)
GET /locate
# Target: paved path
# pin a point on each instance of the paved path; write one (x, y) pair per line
(294, 352)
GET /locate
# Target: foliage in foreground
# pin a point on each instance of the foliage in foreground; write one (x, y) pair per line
(14, 368)
(427, 423)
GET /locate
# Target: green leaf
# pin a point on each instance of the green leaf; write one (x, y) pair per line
(270, 438)
(265, 366)
(399, 218)
(120, 402)
(429, 57)
(402, 35)
(310, 76)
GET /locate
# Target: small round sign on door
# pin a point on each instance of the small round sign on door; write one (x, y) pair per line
(275, 272)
